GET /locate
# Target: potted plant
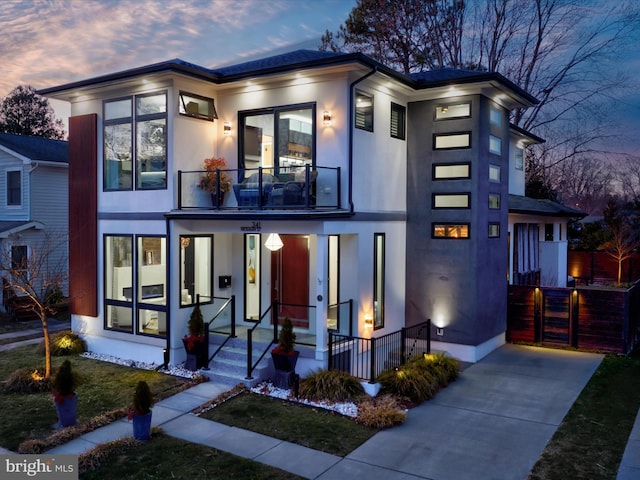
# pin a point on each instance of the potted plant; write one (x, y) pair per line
(64, 396)
(195, 342)
(140, 411)
(284, 356)
(209, 181)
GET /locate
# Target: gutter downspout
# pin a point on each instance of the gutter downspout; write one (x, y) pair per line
(351, 127)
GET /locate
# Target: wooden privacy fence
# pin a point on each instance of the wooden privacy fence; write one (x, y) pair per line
(600, 267)
(587, 318)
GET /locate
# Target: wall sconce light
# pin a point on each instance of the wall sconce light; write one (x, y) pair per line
(440, 331)
(368, 320)
(226, 128)
(326, 118)
(274, 242)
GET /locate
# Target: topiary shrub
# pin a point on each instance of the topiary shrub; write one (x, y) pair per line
(65, 381)
(380, 412)
(142, 398)
(27, 381)
(196, 322)
(330, 385)
(64, 343)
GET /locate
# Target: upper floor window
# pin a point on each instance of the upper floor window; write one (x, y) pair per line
(398, 114)
(495, 145)
(14, 187)
(450, 230)
(135, 142)
(280, 140)
(494, 172)
(451, 171)
(196, 106)
(449, 112)
(451, 140)
(364, 111)
(495, 117)
(519, 158)
(451, 200)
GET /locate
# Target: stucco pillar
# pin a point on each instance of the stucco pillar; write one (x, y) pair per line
(320, 282)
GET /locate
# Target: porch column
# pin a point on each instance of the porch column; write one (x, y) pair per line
(322, 246)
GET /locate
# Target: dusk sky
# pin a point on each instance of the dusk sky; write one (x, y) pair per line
(45, 43)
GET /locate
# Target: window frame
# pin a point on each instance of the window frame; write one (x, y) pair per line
(436, 136)
(434, 200)
(493, 113)
(435, 167)
(379, 279)
(181, 279)
(489, 233)
(14, 190)
(211, 114)
(134, 122)
(495, 168)
(496, 197)
(492, 140)
(437, 118)
(401, 113)
(367, 116)
(450, 224)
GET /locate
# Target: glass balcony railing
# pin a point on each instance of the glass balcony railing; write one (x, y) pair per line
(286, 188)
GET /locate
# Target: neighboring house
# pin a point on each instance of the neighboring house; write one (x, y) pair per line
(34, 201)
(391, 194)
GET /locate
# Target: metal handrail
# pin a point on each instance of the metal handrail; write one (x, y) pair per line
(251, 366)
(230, 301)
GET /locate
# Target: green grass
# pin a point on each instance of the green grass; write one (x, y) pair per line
(165, 457)
(592, 437)
(307, 426)
(106, 387)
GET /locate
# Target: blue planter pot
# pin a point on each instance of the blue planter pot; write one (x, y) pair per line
(67, 411)
(142, 426)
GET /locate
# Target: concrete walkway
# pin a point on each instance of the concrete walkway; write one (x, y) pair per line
(630, 464)
(492, 423)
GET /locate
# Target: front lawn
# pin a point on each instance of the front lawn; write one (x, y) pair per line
(106, 387)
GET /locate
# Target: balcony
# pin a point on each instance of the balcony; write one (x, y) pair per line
(285, 188)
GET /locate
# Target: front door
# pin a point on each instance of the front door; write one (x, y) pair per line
(290, 279)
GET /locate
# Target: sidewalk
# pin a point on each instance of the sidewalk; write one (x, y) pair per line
(35, 332)
(493, 422)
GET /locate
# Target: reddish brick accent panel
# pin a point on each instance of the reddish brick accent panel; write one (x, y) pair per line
(520, 314)
(83, 215)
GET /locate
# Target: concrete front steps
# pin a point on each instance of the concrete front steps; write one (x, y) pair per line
(229, 366)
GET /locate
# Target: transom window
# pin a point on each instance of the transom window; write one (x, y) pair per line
(451, 171)
(450, 230)
(135, 142)
(451, 200)
(452, 140)
(364, 111)
(197, 106)
(456, 110)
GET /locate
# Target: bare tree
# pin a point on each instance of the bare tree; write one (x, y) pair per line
(623, 240)
(584, 182)
(628, 175)
(36, 278)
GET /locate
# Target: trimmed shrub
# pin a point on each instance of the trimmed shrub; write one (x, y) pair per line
(27, 380)
(380, 412)
(330, 385)
(64, 343)
(409, 381)
(450, 365)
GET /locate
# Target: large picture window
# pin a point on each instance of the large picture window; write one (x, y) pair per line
(135, 142)
(196, 269)
(378, 280)
(138, 305)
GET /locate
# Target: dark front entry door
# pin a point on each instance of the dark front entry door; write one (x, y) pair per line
(290, 279)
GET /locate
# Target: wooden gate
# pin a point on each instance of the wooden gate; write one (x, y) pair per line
(556, 317)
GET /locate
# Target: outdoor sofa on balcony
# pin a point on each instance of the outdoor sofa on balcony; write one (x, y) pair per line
(287, 189)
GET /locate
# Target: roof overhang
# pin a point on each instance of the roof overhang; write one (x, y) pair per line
(541, 207)
(11, 228)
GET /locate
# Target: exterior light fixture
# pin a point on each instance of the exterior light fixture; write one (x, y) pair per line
(274, 242)
(368, 320)
(326, 118)
(440, 331)
(226, 128)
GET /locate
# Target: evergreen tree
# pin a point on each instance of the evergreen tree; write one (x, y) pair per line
(24, 112)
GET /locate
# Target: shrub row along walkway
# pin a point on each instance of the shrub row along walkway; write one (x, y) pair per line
(493, 422)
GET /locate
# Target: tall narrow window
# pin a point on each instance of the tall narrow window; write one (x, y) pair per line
(519, 158)
(333, 286)
(14, 187)
(19, 257)
(495, 117)
(118, 285)
(398, 113)
(378, 280)
(152, 285)
(196, 264)
(364, 111)
(252, 277)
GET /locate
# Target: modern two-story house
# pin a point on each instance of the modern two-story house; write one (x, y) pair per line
(362, 200)
(33, 203)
